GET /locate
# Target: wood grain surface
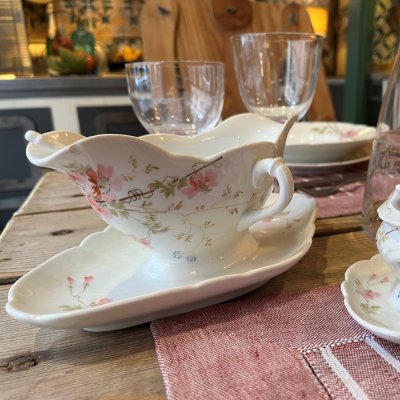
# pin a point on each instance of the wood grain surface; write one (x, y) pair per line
(54, 192)
(53, 364)
(74, 364)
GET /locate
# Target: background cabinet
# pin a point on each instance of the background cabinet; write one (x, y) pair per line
(87, 105)
(116, 119)
(17, 175)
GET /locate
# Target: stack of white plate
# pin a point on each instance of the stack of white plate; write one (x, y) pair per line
(323, 147)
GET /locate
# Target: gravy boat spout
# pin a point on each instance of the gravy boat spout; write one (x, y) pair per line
(189, 199)
(47, 144)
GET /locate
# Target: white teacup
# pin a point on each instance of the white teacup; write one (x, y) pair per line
(189, 199)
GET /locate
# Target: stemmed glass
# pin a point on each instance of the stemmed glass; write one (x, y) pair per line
(177, 97)
(277, 73)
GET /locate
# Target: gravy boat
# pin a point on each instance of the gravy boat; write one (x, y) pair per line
(190, 200)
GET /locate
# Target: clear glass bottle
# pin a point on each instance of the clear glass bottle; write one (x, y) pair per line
(384, 166)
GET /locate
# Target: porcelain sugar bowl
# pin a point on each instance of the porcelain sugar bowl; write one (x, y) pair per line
(190, 200)
(388, 237)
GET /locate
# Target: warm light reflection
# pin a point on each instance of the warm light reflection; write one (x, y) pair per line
(37, 50)
(7, 77)
(319, 19)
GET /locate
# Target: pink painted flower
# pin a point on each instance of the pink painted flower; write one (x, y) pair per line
(78, 178)
(99, 183)
(368, 294)
(88, 279)
(348, 135)
(201, 182)
(105, 186)
(145, 241)
(269, 219)
(82, 181)
(70, 281)
(103, 300)
(103, 211)
(92, 178)
(385, 279)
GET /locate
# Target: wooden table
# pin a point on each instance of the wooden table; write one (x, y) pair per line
(51, 364)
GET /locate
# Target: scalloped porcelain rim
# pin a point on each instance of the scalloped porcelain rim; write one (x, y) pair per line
(369, 132)
(325, 152)
(50, 319)
(385, 333)
(362, 155)
(73, 141)
(350, 161)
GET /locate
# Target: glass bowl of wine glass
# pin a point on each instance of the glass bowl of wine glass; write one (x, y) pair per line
(277, 73)
(177, 97)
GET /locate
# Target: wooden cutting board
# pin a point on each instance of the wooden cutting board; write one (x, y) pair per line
(201, 30)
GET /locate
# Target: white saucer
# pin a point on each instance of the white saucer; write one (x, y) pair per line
(326, 142)
(100, 285)
(360, 155)
(367, 291)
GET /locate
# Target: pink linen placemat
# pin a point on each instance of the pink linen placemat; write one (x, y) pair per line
(347, 200)
(298, 346)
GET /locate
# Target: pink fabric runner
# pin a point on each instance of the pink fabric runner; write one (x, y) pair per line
(299, 346)
(347, 201)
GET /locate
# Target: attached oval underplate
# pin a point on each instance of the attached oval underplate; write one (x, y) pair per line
(325, 142)
(104, 283)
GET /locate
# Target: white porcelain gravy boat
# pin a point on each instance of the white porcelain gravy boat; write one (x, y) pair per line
(190, 199)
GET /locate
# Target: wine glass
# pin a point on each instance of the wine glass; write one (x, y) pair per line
(277, 73)
(384, 165)
(177, 97)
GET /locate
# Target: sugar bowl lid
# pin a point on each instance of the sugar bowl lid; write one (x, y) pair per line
(389, 211)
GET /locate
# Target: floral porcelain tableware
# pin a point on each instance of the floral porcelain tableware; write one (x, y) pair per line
(190, 200)
(368, 297)
(371, 288)
(361, 155)
(74, 289)
(388, 237)
(326, 142)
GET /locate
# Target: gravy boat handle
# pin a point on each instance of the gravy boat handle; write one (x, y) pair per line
(276, 168)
